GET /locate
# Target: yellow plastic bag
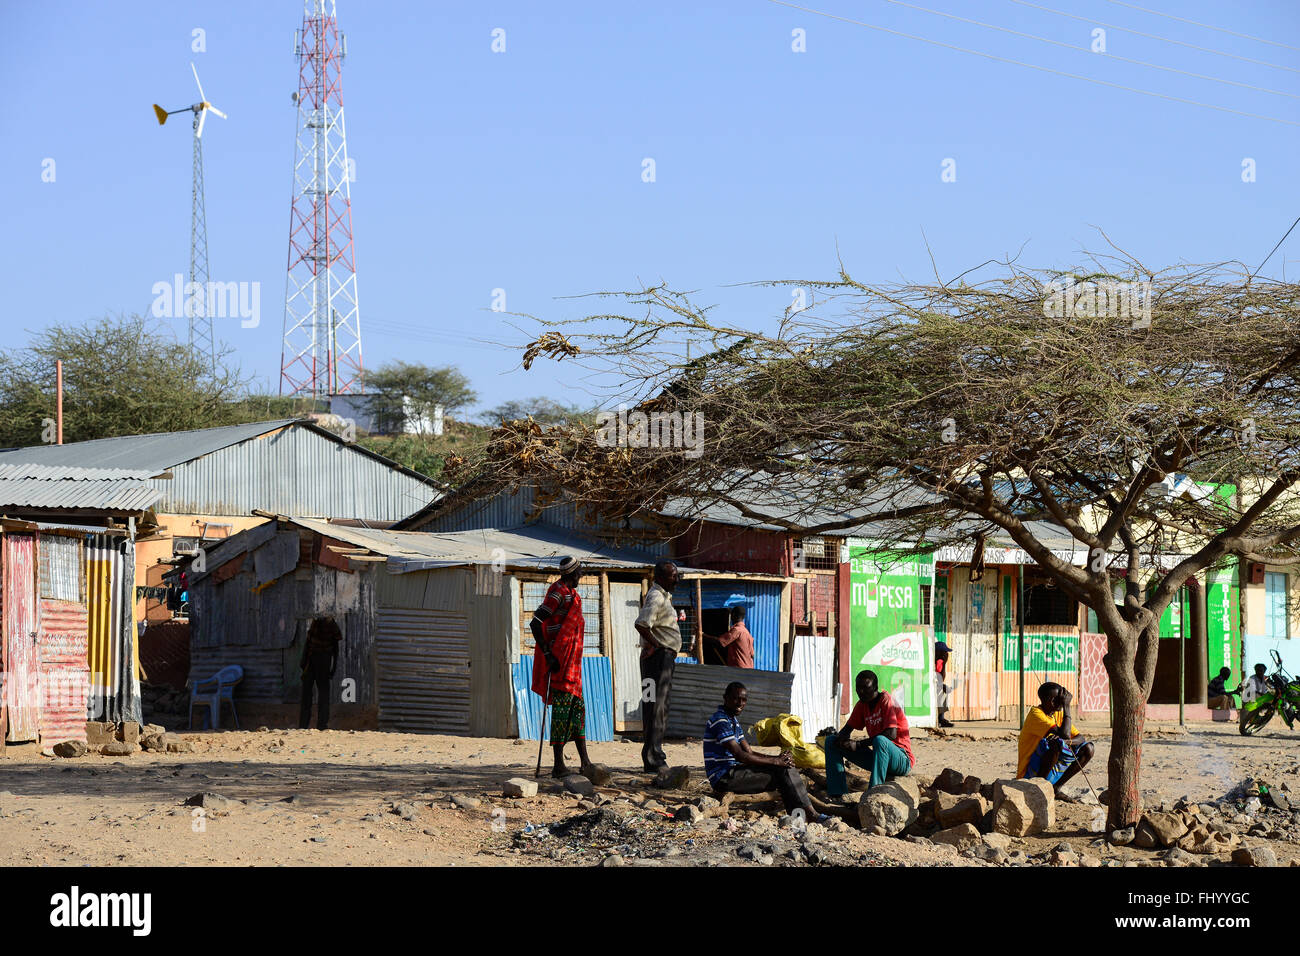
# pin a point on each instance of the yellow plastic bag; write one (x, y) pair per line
(786, 731)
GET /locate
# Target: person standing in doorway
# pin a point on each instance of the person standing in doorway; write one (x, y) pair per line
(320, 656)
(558, 627)
(941, 652)
(738, 644)
(661, 639)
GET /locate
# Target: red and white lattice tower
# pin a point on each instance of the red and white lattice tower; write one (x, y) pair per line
(322, 324)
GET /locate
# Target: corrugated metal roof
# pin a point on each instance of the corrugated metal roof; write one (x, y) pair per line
(535, 547)
(67, 486)
(157, 451)
(287, 466)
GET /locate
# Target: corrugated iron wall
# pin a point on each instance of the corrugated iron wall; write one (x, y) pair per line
(697, 692)
(294, 472)
(597, 698)
(423, 671)
(21, 654)
(511, 510)
(65, 679)
(111, 653)
(729, 548)
(763, 617)
(258, 618)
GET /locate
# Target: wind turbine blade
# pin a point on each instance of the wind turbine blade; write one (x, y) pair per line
(202, 98)
(203, 118)
(217, 111)
(161, 113)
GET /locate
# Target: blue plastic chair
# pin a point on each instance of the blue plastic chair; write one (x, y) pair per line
(211, 692)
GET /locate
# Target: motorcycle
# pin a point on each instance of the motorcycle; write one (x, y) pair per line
(1283, 698)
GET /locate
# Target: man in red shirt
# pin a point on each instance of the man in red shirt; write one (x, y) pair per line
(738, 643)
(887, 749)
(558, 628)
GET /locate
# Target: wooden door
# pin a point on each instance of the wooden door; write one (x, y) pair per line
(973, 639)
(624, 606)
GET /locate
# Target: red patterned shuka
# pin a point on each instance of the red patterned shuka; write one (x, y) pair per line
(562, 625)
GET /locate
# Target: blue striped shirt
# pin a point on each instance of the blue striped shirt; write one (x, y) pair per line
(718, 759)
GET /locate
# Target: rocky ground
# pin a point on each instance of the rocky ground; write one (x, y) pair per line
(338, 798)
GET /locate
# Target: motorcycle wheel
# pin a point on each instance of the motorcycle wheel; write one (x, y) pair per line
(1253, 720)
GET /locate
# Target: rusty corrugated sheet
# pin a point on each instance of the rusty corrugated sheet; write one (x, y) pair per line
(65, 680)
(422, 673)
(728, 548)
(21, 657)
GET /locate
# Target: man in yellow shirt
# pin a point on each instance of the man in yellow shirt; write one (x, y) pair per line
(1046, 749)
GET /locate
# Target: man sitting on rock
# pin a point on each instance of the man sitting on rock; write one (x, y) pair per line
(885, 752)
(1217, 696)
(1047, 749)
(733, 768)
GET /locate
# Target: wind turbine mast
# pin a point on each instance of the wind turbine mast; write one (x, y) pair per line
(196, 299)
(321, 355)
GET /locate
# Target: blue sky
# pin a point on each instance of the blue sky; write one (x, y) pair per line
(522, 170)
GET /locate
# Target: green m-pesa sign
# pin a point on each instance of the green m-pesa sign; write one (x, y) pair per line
(886, 607)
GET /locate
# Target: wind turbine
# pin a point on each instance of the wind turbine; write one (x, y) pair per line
(197, 304)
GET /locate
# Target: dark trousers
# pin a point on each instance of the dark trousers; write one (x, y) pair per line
(318, 676)
(658, 667)
(760, 780)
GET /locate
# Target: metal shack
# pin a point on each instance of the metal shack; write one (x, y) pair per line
(68, 642)
(436, 625)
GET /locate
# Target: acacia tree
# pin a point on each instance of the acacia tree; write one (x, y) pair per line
(951, 409)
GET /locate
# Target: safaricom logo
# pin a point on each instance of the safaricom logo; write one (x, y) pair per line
(871, 594)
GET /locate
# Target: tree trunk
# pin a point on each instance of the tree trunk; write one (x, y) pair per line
(1130, 664)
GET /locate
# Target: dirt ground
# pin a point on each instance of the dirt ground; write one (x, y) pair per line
(348, 798)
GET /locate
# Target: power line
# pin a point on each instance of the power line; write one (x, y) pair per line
(1035, 66)
(1079, 49)
(1207, 26)
(1152, 36)
(1275, 248)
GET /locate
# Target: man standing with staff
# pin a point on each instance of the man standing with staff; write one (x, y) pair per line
(557, 627)
(661, 639)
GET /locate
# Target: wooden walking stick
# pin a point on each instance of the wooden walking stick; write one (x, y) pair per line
(541, 730)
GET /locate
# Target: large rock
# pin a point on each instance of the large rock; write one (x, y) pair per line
(1168, 828)
(71, 748)
(116, 748)
(971, 784)
(212, 801)
(963, 837)
(576, 783)
(672, 778)
(997, 841)
(176, 744)
(951, 811)
(1254, 856)
(519, 787)
(152, 742)
(100, 732)
(950, 781)
(887, 810)
(1145, 837)
(130, 731)
(159, 729)
(1023, 807)
(598, 774)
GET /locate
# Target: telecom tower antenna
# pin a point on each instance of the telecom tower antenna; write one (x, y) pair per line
(196, 305)
(321, 355)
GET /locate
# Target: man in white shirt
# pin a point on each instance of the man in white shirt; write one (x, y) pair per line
(1255, 684)
(661, 639)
